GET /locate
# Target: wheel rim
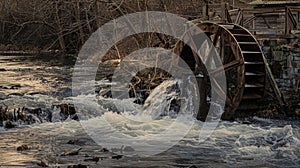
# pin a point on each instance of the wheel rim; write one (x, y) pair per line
(242, 61)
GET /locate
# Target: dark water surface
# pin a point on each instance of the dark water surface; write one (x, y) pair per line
(44, 74)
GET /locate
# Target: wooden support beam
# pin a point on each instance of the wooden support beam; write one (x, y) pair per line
(287, 28)
(297, 87)
(274, 85)
(203, 106)
(223, 12)
(205, 10)
(226, 67)
(239, 18)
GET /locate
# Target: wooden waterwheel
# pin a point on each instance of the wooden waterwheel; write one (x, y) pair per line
(242, 61)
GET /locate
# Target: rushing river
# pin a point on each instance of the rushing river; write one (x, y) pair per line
(41, 82)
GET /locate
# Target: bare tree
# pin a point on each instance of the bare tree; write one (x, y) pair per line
(66, 24)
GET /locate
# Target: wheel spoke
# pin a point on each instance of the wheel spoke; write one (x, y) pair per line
(218, 89)
(216, 37)
(197, 59)
(222, 49)
(212, 51)
(226, 67)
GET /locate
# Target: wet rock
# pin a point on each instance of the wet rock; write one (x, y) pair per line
(128, 149)
(43, 163)
(14, 115)
(104, 150)
(3, 113)
(39, 114)
(15, 86)
(11, 115)
(23, 147)
(2, 96)
(4, 87)
(117, 157)
(279, 137)
(20, 115)
(78, 166)
(94, 159)
(105, 93)
(76, 142)
(15, 94)
(272, 111)
(193, 166)
(247, 122)
(35, 111)
(31, 119)
(9, 124)
(67, 110)
(35, 93)
(73, 141)
(72, 153)
(278, 144)
(64, 92)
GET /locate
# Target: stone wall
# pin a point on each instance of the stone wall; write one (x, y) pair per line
(283, 57)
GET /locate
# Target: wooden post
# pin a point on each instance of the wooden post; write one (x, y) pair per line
(203, 107)
(223, 12)
(205, 9)
(287, 24)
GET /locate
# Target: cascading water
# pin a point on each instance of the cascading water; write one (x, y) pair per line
(260, 142)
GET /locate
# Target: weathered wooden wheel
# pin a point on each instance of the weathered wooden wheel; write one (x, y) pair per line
(242, 61)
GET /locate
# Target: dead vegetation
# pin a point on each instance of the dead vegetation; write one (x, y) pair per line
(65, 25)
(145, 81)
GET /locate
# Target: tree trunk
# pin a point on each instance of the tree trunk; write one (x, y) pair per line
(98, 13)
(78, 20)
(88, 22)
(60, 28)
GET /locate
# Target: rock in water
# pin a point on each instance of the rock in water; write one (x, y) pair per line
(72, 153)
(9, 124)
(78, 166)
(23, 147)
(128, 149)
(43, 163)
(117, 157)
(2, 96)
(67, 110)
(73, 141)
